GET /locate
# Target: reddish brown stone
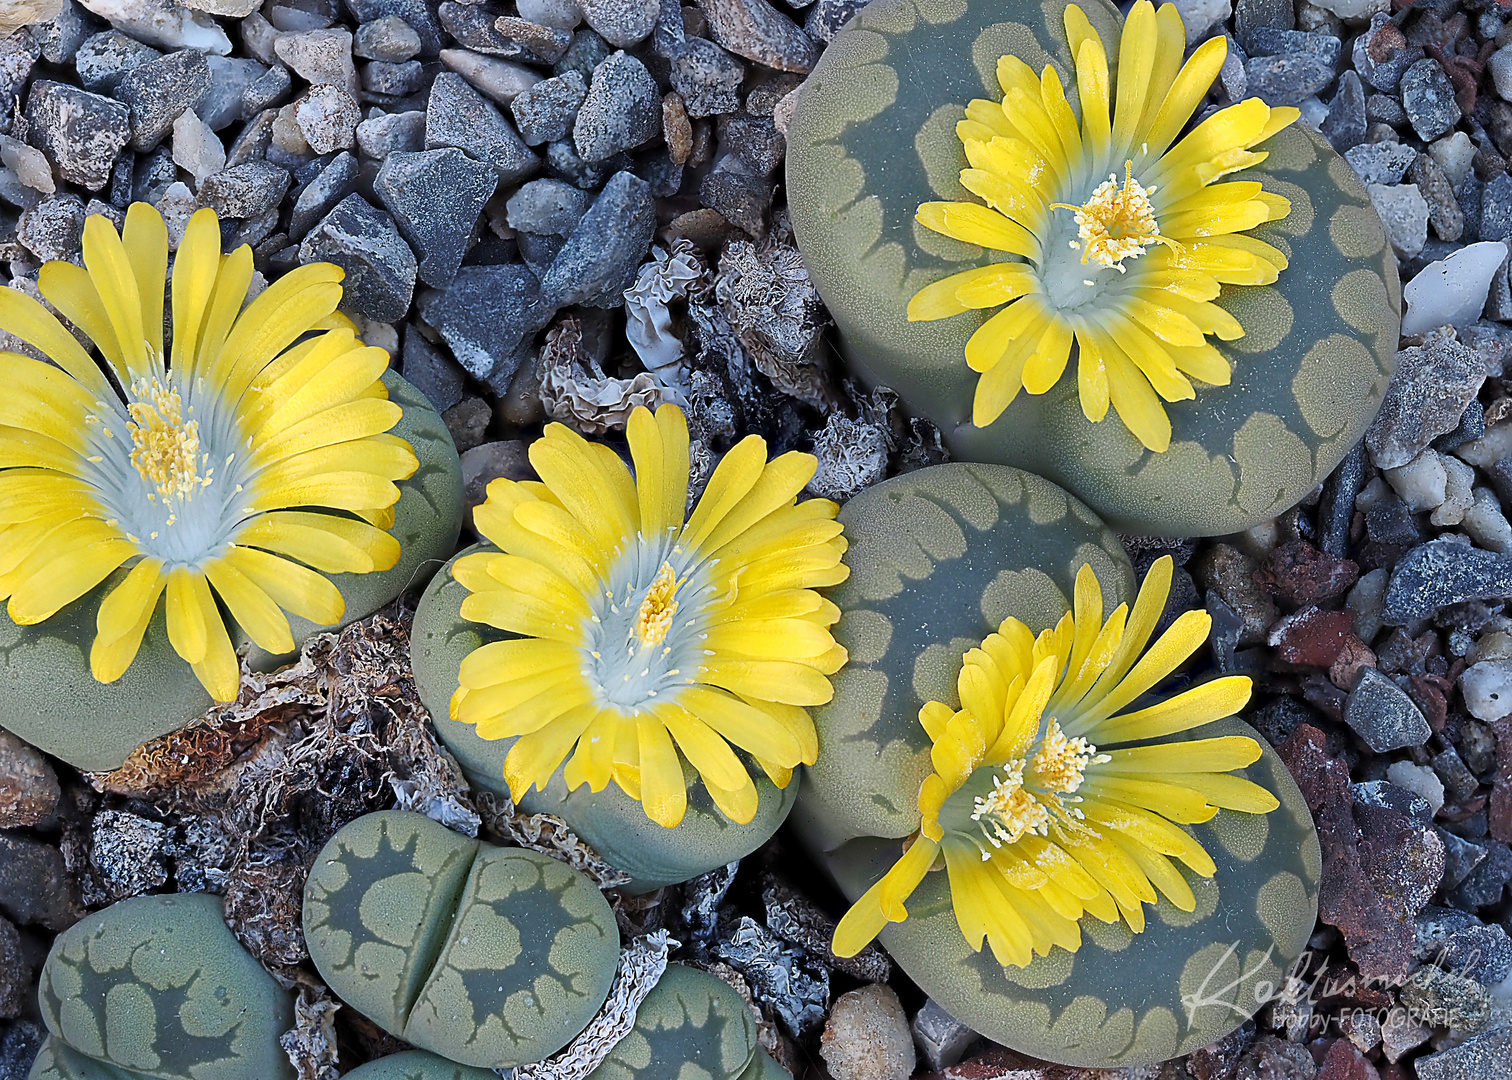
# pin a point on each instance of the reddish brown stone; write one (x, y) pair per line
(1312, 637)
(1499, 813)
(1379, 866)
(1430, 693)
(1353, 658)
(1298, 573)
(1344, 1062)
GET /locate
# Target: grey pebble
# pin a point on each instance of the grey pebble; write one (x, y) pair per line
(621, 23)
(546, 112)
(270, 89)
(488, 316)
(52, 227)
(1345, 124)
(334, 182)
(430, 371)
(387, 38)
(500, 80)
(1383, 715)
(707, 78)
(389, 133)
(542, 44)
(81, 133)
(245, 191)
(458, 115)
(157, 91)
(1443, 209)
(230, 79)
(436, 197)
(586, 52)
(106, 58)
(757, 31)
(380, 267)
(1287, 79)
(621, 111)
(1432, 385)
(546, 208)
(1428, 98)
(392, 79)
(606, 247)
(418, 15)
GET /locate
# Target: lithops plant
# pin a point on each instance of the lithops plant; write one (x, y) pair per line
(1000, 767)
(157, 986)
(1000, 208)
(487, 956)
(256, 475)
(644, 673)
(691, 1024)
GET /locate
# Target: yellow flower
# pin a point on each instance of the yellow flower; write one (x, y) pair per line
(642, 635)
(255, 438)
(1115, 238)
(1042, 802)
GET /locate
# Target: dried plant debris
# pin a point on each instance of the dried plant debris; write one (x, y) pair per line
(783, 977)
(311, 1042)
(702, 898)
(641, 965)
(775, 311)
(673, 273)
(797, 920)
(549, 835)
(576, 391)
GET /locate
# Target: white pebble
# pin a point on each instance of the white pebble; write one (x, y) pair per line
(1460, 479)
(1420, 780)
(28, 163)
(1371, 494)
(1313, 111)
(1496, 645)
(1355, 10)
(177, 206)
(1487, 450)
(196, 149)
(490, 76)
(561, 14)
(1201, 15)
(867, 1036)
(1486, 523)
(1420, 482)
(164, 24)
(1452, 290)
(1487, 689)
(1500, 66)
(1454, 153)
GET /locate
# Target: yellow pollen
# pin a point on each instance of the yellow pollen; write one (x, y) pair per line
(1061, 762)
(657, 610)
(1117, 223)
(1010, 812)
(164, 447)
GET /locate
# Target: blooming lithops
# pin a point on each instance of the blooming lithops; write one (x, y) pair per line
(643, 672)
(240, 482)
(1187, 326)
(491, 957)
(1069, 858)
(158, 986)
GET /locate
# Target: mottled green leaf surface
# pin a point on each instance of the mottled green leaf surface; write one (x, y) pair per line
(488, 956)
(692, 1026)
(49, 698)
(158, 985)
(417, 1065)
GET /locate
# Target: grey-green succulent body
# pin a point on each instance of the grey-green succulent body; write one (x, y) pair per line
(158, 986)
(874, 137)
(49, 697)
(488, 956)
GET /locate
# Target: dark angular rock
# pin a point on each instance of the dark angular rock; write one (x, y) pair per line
(1460, 857)
(564, 162)
(1255, 15)
(1433, 384)
(1487, 1056)
(1460, 943)
(1440, 573)
(157, 91)
(546, 112)
(270, 89)
(1383, 715)
(606, 247)
(757, 31)
(106, 58)
(18, 55)
(1286, 79)
(334, 182)
(459, 116)
(621, 111)
(707, 78)
(827, 17)
(1381, 55)
(245, 191)
(539, 251)
(81, 133)
(53, 227)
(436, 197)
(1428, 98)
(431, 371)
(472, 26)
(1345, 124)
(742, 197)
(586, 52)
(18, 1049)
(61, 38)
(1486, 883)
(380, 267)
(1298, 573)
(393, 80)
(1273, 41)
(489, 316)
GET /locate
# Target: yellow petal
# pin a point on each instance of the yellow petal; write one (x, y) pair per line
(252, 608)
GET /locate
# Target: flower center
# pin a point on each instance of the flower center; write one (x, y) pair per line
(165, 448)
(1116, 223)
(1005, 803)
(658, 609)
